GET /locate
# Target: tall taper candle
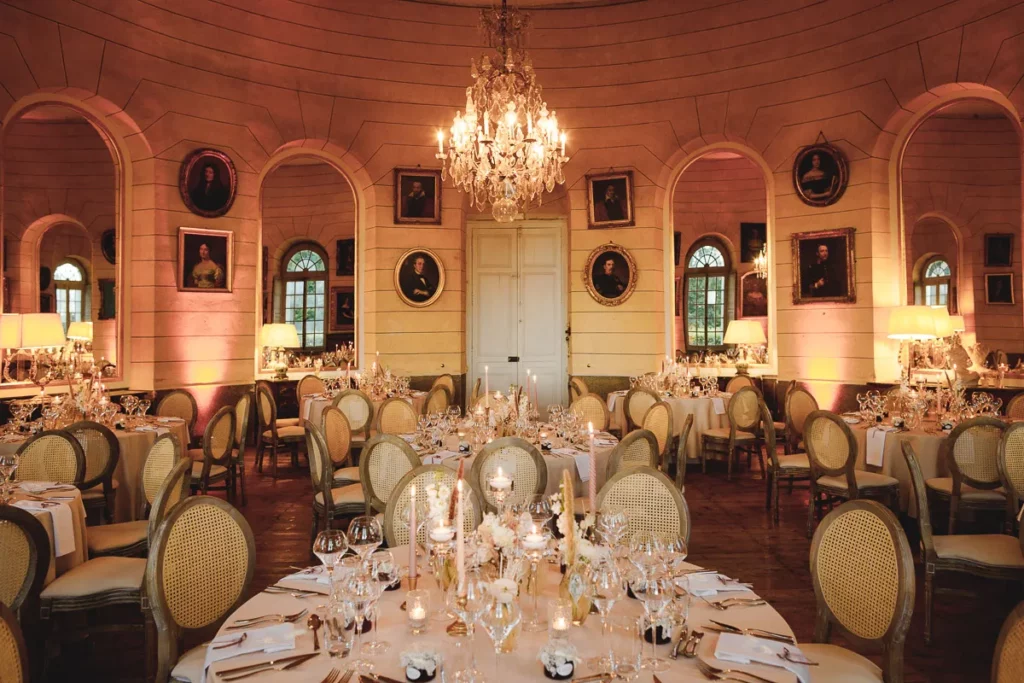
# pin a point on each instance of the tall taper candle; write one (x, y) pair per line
(460, 540)
(593, 471)
(536, 396)
(487, 386)
(412, 533)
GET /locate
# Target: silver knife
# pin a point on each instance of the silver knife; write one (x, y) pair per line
(271, 667)
(755, 634)
(271, 662)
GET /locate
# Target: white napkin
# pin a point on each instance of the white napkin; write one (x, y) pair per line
(276, 638)
(706, 585)
(148, 428)
(63, 523)
(583, 466)
(719, 405)
(605, 442)
(439, 457)
(740, 649)
(613, 396)
(42, 486)
(876, 446)
(571, 452)
(408, 438)
(166, 420)
(318, 574)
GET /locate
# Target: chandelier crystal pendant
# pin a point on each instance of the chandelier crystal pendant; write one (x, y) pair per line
(506, 150)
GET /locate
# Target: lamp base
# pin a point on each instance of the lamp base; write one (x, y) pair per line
(742, 367)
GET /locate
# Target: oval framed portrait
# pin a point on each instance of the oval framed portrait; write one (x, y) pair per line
(610, 274)
(820, 174)
(419, 277)
(108, 245)
(207, 182)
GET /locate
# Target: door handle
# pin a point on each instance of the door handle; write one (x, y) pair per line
(513, 359)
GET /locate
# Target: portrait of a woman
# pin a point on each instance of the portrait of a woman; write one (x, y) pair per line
(204, 258)
(207, 274)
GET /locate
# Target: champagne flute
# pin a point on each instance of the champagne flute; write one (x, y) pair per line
(384, 570)
(361, 594)
(365, 536)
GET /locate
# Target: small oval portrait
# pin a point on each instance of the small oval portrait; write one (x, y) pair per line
(419, 277)
(610, 274)
(207, 182)
(108, 245)
(820, 175)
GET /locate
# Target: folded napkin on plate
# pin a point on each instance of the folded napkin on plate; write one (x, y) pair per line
(276, 638)
(169, 419)
(439, 457)
(583, 466)
(705, 585)
(719, 405)
(571, 452)
(318, 574)
(43, 486)
(408, 438)
(876, 446)
(63, 523)
(739, 649)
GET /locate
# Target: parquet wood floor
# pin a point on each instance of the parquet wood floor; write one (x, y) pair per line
(731, 532)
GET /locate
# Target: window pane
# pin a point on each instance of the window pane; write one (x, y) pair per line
(929, 295)
(68, 271)
(305, 261)
(706, 256)
(943, 295)
(938, 269)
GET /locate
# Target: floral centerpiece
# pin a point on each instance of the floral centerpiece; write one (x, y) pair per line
(578, 552)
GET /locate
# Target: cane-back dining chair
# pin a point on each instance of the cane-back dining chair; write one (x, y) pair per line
(273, 433)
(520, 461)
(971, 454)
(25, 549)
(832, 452)
(638, 401)
(163, 455)
(1015, 408)
(447, 382)
(338, 437)
(577, 389)
(243, 410)
(1008, 660)
(215, 462)
(199, 572)
(397, 416)
(993, 556)
(591, 408)
(14, 663)
(309, 385)
(358, 408)
(102, 451)
(385, 460)
(798, 405)
(681, 457)
(131, 539)
(437, 401)
(638, 449)
(1011, 471)
(181, 404)
(329, 501)
(658, 421)
(860, 550)
(52, 456)
(651, 501)
(744, 415)
(737, 383)
(790, 466)
(396, 514)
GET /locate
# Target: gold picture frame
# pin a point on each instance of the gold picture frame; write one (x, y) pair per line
(610, 286)
(618, 213)
(418, 289)
(999, 289)
(837, 282)
(193, 275)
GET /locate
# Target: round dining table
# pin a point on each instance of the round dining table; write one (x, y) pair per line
(312, 406)
(708, 413)
(520, 665)
(65, 525)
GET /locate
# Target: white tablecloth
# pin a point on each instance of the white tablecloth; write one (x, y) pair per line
(704, 411)
(313, 407)
(63, 563)
(926, 441)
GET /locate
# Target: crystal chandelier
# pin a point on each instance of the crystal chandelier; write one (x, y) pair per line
(506, 150)
(761, 263)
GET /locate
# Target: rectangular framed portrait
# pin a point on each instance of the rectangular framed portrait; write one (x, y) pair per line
(753, 296)
(999, 250)
(752, 238)
(205, 260)
(677, 245)
(108, 298)
(610, 200)
(823, 267)
(343, 309)
(999, 288)
(418, 195)
(345, 257)
(679, 296)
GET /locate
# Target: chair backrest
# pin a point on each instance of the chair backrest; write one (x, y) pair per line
(310, 384)
(179, 403)
(638, 449)
(638, 402)
(971, 453)
(397, 416)
(14, 664)
(744, 411)
(52, 456)
(651, 501)
(175, 488)
(396, 514)
(593, 409)
(219, 438)
(321, 470)
(358, 408)
(266, 408)
(447, 382)
(438, 399)
(243, 409)
(831, 447)
(917, 484)
(1011, 466)
(577, 388)
(199, 568)
(684, 436)
(163, 455)
(1015, 408)
(769, 436)
(101, 449)
(385, 460)
(658, 421)
(737, 383)
(798, 405)
(518, 459)
(337, 436)
(860, 550)
(1008, 660)
(25, 549)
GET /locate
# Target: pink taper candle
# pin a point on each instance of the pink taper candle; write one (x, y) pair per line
(412, 533)
(593, 471)
(460, 540)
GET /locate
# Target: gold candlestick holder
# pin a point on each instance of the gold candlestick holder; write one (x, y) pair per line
(458, 628)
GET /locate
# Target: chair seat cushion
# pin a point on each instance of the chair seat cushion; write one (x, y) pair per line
(944, 486)
(865, 480)
(196, 454)
(794, 461)
(996, 550)
(98, 575)
(344, 495)
(189, 668)
(96, 492)
(723, 433)
(215, 471)
(346, 475)
(839, 664)
(287, 422)
(107, 537)
(286, 433)
(779, 427)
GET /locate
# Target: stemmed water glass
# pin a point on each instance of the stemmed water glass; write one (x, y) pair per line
(539, 509)
(612, 526)
(500, 620)
(468, 606)
(8, 466)
(329, 546)
(385, 571)
(655, 592)
(608, 588)
(361, 593)
(364, 536)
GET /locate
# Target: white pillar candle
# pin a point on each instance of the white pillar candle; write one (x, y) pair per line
(593, 471)
(487, 384)
(500, 481)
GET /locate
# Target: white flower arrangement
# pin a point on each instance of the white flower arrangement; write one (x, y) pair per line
(439, 498)
(415, 661)
(558, 657)
(574, 543)
(496, 541)
(504, 590)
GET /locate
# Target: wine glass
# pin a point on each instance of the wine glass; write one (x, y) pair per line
(612, 526)
(144, 405)
(539, 509)
(608, 588)
(655, 592)
(8, 466)
(329, 546)
(385, 571)
(364, 536)
(361, 594)
(500, 620)
(646, 552)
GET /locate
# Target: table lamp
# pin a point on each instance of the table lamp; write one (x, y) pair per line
(911, 324)
(80, 331)
(745, 334)
(958, 323)
(277, 337)
(943, 322)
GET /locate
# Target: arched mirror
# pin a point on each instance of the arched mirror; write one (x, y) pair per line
(961, 193)
(60, 181)
(309, 260)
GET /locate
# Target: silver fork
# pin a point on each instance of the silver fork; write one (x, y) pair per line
(332, 676)
(283, 618)
(722, 674)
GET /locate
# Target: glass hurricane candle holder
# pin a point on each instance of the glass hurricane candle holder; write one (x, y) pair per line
(559, 618)
(417, 609)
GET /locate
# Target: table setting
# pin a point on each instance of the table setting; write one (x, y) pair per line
(379, 384)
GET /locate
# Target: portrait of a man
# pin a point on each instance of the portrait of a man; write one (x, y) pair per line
(419, 277)
(823, 269)
(820, 174)
(346, 257)
(611, 200)
(204, 258)
(207, 183)
(999, 288)
(610, 275)
(754, 301)
(417, 196)
(343, 315)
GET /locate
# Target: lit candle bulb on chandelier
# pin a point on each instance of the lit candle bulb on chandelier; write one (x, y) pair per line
(440, 142)
(563, 144)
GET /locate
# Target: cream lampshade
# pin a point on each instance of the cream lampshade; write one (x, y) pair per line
(912, 323)
(744, 333)
(10, 331)
(81, 331)
(41, 330)
(943, 322)
(279, 336)
(957, 321)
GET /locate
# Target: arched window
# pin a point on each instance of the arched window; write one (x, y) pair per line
(304, 273)
(936, 280)
(69, 278)
(707, 275)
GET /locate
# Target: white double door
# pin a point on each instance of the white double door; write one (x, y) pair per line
(518, 306)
